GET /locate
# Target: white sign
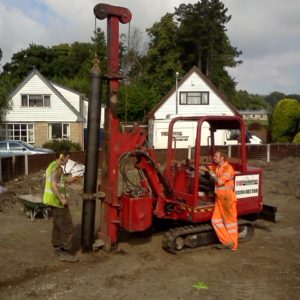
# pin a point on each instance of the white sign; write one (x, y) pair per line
(177, 135)
(247, 186)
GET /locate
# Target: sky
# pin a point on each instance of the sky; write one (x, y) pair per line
(266, 31)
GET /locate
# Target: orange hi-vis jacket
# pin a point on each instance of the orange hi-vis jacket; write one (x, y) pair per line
(224, 219)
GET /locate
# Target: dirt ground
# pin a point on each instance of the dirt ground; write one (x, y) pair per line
(266, 267)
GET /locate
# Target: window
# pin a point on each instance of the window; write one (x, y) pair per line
(3, 145)
(59, 131)
(35, 100)
(233, 134)
(194, 98)
(13, 146)
(22, 132)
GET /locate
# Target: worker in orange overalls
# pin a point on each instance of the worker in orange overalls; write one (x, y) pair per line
(224, 218)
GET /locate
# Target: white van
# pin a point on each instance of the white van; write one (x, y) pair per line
(184, 135)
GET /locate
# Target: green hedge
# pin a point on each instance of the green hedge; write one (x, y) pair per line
(61, 145)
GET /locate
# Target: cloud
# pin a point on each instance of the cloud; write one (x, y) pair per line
(14, 38)
(270, 72)
(268, 33)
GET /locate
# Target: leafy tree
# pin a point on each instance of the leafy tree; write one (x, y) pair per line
(274, 97)
(135, 101)
(204, 42)
(5, 87)
(286, 120)
(4, 102)
(250, 101)
(293, 96)
(67, 64)
(4, 90)
(22, 62)
(163, 56)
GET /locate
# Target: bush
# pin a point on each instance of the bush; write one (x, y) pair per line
(61, 145)
(296, 139)
(285, 120)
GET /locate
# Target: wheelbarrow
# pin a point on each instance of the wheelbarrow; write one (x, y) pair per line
(34, 206)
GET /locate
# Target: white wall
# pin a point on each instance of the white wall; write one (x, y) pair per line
(73, 98)
(57, 112)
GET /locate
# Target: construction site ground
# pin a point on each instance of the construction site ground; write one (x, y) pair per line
(266, 267)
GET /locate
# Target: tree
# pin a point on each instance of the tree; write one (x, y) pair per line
(4, 103)
(286, 120)
(274, 97)
(67, 64)
(24, 61)
(99, 46)
(163, 56)
(202, 37)
(131, 60)
(1, 53)
(135, 101)
(244, 100)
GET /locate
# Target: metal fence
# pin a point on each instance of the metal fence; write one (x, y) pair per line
(13, 167)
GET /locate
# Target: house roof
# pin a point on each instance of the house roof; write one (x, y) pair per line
(184, 78)
(80, 118)
(69, 89)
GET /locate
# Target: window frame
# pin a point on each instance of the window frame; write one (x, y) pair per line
(15, 131)
(65, 131)
(26, 100)
(189, 96)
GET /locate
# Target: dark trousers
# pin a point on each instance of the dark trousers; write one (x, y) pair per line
(63, 229)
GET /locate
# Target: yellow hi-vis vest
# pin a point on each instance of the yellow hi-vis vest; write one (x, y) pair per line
(49, 197)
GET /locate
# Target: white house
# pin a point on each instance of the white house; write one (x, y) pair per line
(193, 95)
(258, 115)
(43, 111)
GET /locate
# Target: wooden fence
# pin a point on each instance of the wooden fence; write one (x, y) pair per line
(13, 167)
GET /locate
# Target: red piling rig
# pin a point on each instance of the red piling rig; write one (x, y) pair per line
(114, 141)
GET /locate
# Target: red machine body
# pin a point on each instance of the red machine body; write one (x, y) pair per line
(136, 213)
(172, 193)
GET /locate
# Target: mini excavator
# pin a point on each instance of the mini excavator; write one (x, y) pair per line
(176, 193)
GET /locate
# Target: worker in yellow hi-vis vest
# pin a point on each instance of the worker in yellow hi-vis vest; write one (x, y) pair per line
(55, 196)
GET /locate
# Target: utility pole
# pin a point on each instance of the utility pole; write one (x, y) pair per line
(176, 85)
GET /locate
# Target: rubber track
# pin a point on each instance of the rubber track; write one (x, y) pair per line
(171, 235)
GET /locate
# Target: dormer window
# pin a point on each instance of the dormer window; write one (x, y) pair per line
(35, 100)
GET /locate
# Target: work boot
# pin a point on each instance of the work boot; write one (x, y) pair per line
(224, 247)
(67, 257)
(56, 249)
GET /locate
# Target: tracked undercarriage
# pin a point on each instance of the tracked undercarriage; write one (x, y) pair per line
(193, 236)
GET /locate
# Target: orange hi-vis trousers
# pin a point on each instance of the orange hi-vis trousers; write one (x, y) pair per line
(224, 219)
